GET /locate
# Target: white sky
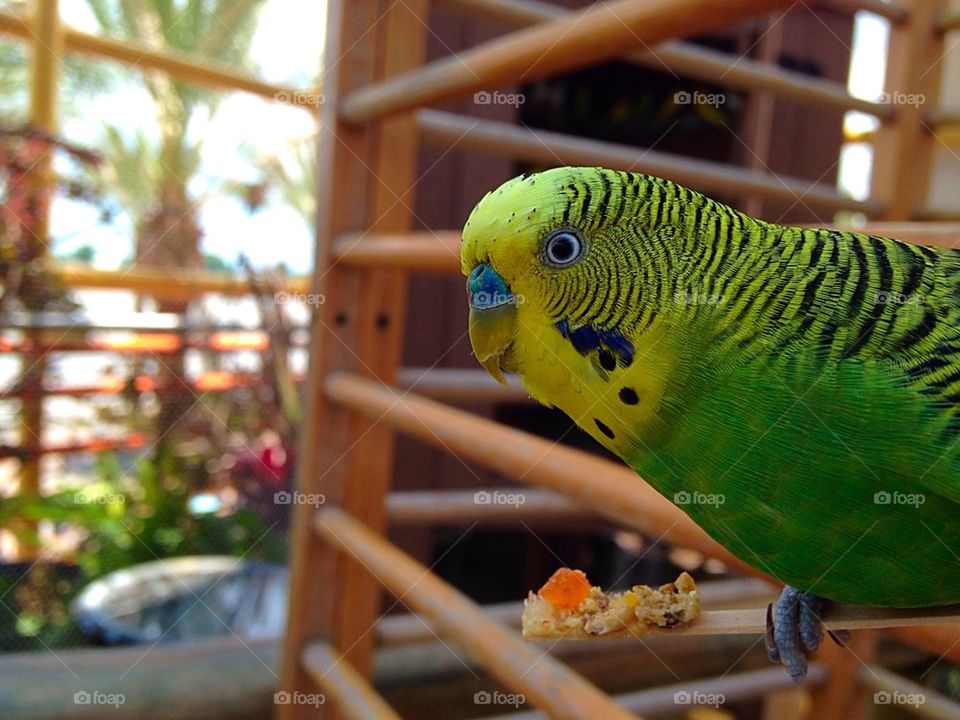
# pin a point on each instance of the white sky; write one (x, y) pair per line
(868, 67)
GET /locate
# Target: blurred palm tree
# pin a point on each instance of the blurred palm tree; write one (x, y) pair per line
(81, 76)
(150, 174)
(293, 176)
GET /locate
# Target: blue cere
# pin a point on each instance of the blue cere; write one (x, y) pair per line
(486, 289)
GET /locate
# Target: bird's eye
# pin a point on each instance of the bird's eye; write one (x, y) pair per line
(562, 248)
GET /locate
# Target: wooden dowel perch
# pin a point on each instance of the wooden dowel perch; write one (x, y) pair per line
(584, 38)
(840, 617)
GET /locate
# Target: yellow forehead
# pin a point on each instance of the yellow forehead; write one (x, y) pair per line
(512, 216)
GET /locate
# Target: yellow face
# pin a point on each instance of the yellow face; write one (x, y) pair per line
(548, 290)
(510, 244)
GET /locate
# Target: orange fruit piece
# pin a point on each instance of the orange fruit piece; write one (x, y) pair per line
(566, 588)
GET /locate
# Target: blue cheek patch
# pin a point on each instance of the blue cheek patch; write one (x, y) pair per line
(587, 339)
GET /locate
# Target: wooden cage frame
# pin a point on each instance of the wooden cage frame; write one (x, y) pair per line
(375, 112)
(376, 92)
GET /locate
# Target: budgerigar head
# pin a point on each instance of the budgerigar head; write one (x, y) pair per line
(556, 244)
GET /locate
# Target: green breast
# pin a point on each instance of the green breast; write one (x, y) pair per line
(829, 482)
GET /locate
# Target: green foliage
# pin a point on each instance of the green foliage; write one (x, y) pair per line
(215, 263)
(142, 169)
(83, 254)
(293, 176)
(127, 518)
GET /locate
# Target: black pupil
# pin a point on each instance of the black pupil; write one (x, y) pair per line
(563, 248)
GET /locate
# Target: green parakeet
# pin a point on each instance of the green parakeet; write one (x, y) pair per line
(795, 391)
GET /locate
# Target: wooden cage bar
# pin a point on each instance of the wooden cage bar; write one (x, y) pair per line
(892, 689)
(591, 36)
(438, 251)
(694, 61)
(162, 283)
(424, 251)
(735, 687)
(353, 695)
(895, 12)
(360, 327)
(904, 145)
(199, 71)
(500, 138)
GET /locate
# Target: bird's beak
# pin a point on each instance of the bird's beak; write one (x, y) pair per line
(493, 317)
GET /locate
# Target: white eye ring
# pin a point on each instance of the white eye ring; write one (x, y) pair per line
(562, 248)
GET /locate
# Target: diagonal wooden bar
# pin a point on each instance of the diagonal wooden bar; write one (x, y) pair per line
(354, 696)
(598, 33)
(191, 69)
(702, 63)
(611, 489)
(899, 691)
(547, 683)
(663, 700)
(542, 146)
(895, 12)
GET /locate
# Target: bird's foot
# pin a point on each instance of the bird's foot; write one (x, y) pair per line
(794, 629)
